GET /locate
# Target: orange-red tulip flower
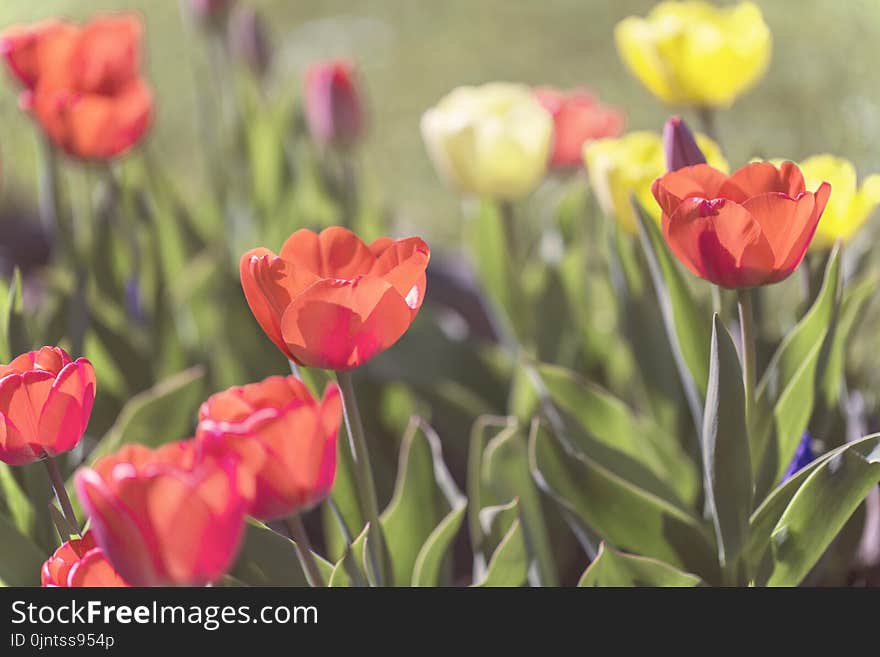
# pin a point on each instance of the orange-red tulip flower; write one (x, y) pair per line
(83, 83)
(79, 563)
(577, 119)
(334, 110)
(328, 300)
(285, 436)
(172, 516)
(45, 402)
(747, 229)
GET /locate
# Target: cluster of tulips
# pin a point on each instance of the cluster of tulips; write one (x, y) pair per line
(176, 513)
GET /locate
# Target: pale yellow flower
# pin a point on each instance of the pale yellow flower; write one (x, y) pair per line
(849, 206)
(493, 140)
(624, 167)
(694, 53)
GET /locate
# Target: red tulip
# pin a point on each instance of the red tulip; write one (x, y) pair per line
(80, 563)
(329, 300)
(172, 516)
(82, 83)
(285, 437)
(751, 228)
(577, 119)
(45, 402)
(333, 106)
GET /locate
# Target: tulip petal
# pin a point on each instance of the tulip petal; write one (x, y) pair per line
(403, 265)
(128, 544)
(340, 324)
(698, 180)
(787, 223)
(93, 570)
(335, 252)
(720, 241)
(758, 178)
(108, 50)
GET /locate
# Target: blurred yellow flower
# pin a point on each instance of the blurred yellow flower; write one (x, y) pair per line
(693, 53)
(849, 205)
(493, 140)
(626, 166)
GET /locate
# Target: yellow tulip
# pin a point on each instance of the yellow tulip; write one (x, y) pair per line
(626, 166)
(493, 140)
(693, 53)
(849, 205)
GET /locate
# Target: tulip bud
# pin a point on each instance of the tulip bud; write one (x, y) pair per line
(249, 41)
(679, 145)
(334, 112)
(80, 563)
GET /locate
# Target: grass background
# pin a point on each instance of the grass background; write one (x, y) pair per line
(822, 92)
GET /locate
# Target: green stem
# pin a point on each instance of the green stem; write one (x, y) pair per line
(363, 472)
(707, 122)
(304, 550)
(60, 491)
(49, 202)
(747, 330)
(349, 189)
(518, 312)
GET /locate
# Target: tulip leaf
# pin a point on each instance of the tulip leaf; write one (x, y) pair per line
(17, 340)
(505, 466)
(613, 568)
(344, 496)
(424, 494)
(165, 412)
(818, 511)
(426, 571)
(597, 424)
(787, 390)
(628, 517)
(728, 469)
(14, 502)
(21, 558)
(852, 305)
(350, 568)
(509, 564)
(267, 558)
(687, 326)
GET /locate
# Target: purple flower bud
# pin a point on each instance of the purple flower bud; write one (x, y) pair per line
(333, 105)
(211, 11)
(803, 456)
(680, 146)
(248, 40)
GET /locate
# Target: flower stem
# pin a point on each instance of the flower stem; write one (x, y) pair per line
(747, 330)
(304, 550)
(518, 312)
(60, 491)
(707, 122)
(363, 472)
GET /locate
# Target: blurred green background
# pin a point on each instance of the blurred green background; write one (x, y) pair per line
(822, 92)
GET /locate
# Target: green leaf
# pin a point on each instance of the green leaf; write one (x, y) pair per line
(786, 392)
(726, 447)
(424, 494)
(509, 564)
(506, 472)
(165, 412)
(628, 517)
(21, 559)
(17, 340)
(269, 559)
(686, 325)
(613, 568)
(426, 571)
(819, 509)
(349, 570)
(595, 423)
(852, 305)
(15, 502)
